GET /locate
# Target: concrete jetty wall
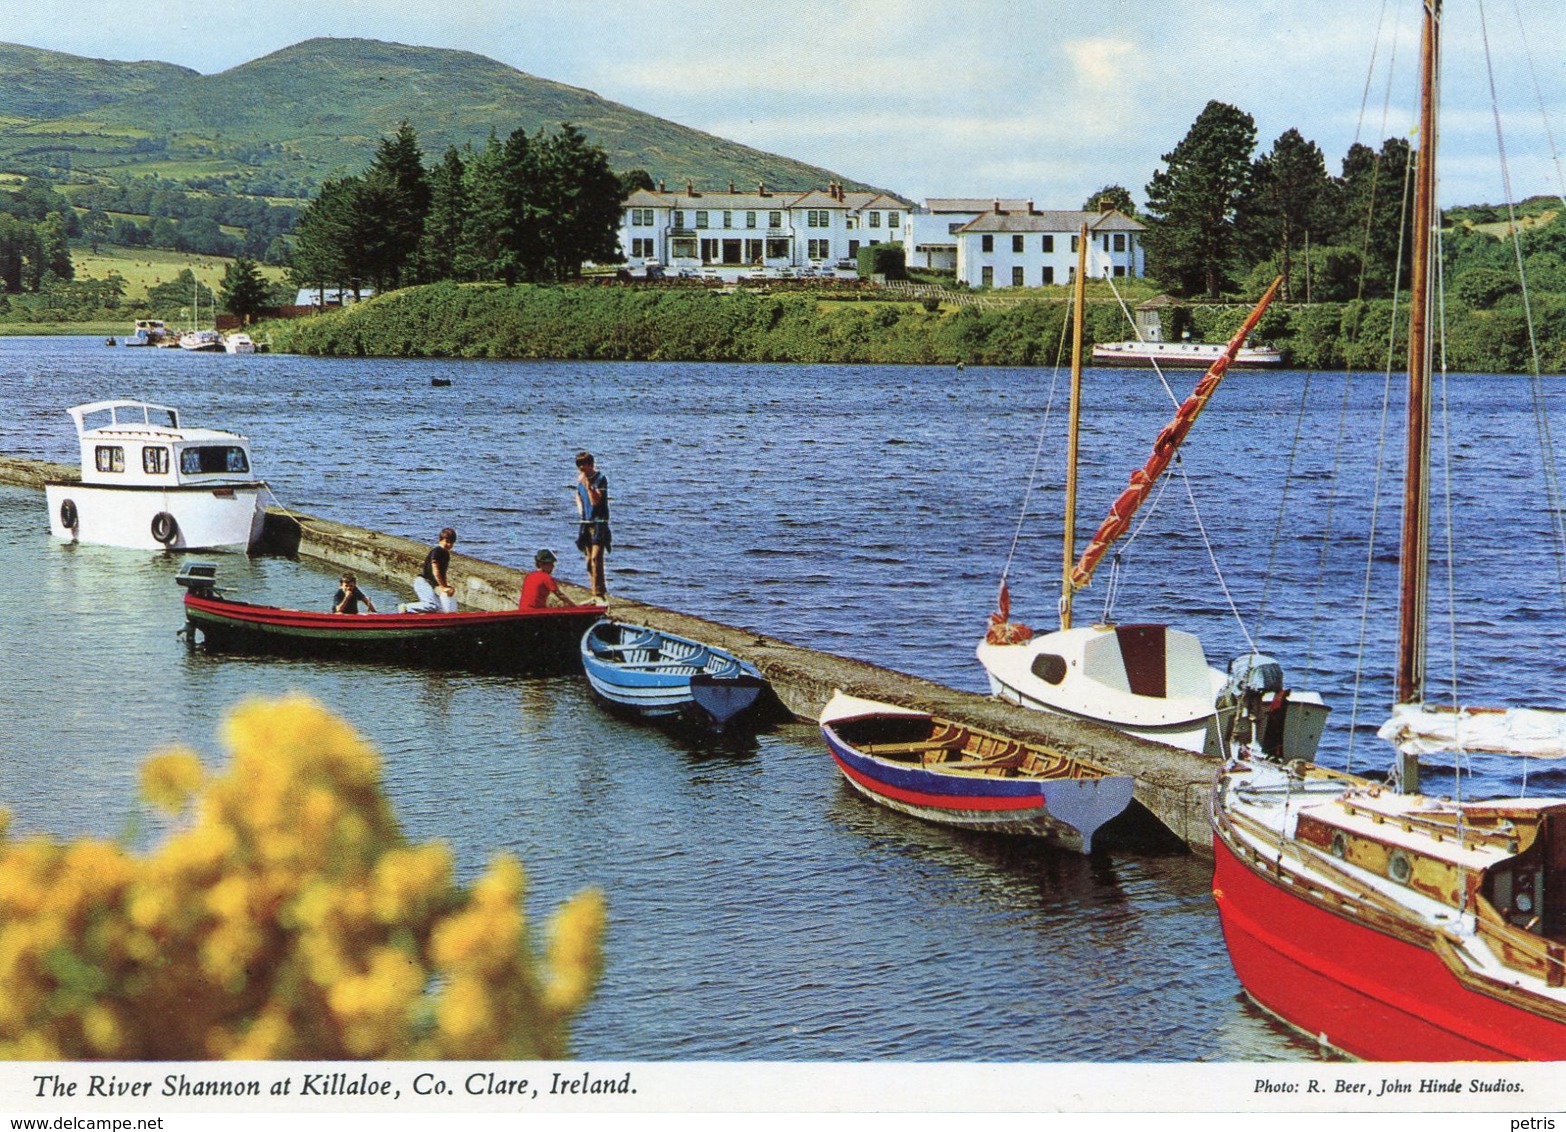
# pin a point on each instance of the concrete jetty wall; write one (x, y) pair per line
(1172, 785)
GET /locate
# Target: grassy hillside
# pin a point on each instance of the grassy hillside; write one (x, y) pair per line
(37, 84)
(142, 268)
(284, 122)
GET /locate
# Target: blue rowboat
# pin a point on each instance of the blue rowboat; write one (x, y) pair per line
(658, 675)
(957, 775)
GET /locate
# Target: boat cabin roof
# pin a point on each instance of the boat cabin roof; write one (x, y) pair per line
(140, 418)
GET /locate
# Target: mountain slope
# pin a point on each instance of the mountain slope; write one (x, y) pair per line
(37, 84)
(319, 108)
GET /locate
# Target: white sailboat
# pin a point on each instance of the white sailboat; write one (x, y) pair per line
(1148, 679)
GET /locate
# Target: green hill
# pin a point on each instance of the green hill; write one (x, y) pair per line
(281, 124)
(36, 84)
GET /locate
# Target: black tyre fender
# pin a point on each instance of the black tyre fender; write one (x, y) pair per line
(164, 527)
(68, 516)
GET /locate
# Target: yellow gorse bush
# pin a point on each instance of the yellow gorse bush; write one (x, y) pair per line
(286, 918)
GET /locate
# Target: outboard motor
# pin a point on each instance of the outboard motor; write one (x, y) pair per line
(1269, 718)
(200, 578)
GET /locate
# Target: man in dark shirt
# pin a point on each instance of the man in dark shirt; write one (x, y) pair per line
(593, 537)
(350, 597)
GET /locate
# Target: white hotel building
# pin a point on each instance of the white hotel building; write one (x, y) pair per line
(988, 242)
(761, 231)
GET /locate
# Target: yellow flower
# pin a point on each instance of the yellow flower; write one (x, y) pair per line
(169, 780)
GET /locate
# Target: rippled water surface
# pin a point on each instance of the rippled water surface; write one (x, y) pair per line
(759, 909)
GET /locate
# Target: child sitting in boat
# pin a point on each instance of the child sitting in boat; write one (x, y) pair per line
(539, 586)
(349, 597)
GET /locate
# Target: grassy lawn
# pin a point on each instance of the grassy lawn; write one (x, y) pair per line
(142, 268)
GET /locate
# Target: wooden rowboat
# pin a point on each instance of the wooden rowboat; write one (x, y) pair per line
(660, 676)
(517, 640)
(957, 775)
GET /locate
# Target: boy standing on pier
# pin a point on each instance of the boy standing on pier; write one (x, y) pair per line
(592, 506)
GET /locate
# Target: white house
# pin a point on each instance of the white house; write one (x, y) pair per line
(766, 230)
(930, 235)
(1025, 248)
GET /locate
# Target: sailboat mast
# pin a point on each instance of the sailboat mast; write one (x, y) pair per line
(1069, 539)
(1413, 556)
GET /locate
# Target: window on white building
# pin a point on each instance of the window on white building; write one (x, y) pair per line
(987, 277)
(1119, 270)
(1016, 246)
(642, 218)
(728, 219)
(774, 220)
(641, 247)
(894, 219)
(1047, 277)
(777, 249)
(1016, 277)
(701, 218)
(679, 218)
(683, 248)
(986, 244)
(1047, 244)
(750, 220)
(819, 249)
(875, 220)
(818, 218)
(1074, 243)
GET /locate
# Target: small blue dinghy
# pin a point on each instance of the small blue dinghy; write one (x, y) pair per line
(658, 675)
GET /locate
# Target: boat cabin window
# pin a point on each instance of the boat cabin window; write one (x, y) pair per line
(213, 458)
(110, 458)
(1049, 667)
(155, 460)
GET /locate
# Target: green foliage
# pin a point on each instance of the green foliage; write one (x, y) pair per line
(886, 260)
(243, 292)
(1116, 197)
(1482, 287)
(1193, 202)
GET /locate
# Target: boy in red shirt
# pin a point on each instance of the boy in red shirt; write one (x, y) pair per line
(539, 586)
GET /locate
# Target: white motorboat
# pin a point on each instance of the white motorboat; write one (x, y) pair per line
(1184, 355)
(239, 343)
(148, 332)
(149, 483)
(201, 341)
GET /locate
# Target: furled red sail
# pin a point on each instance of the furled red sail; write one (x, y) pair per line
(1164, 448)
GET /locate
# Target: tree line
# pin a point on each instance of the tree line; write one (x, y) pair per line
(1220, 216)
(533, 207)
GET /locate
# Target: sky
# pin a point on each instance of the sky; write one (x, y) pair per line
(1046, 100)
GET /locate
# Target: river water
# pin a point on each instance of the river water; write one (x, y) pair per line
(760, 909)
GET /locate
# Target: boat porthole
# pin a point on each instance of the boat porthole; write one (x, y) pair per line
(1049, 667)
(1339, 846)
(1398, 866)
(164, 528)
(68, 516)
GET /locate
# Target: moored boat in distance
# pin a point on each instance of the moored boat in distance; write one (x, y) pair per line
(512, 640)
(149, 332)
(201, 341)
(658, 675)
(956, 775)
(1184, 355)
(239, 343)
(150, 483)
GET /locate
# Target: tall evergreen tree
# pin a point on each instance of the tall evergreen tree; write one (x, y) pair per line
(576, 202)
(441, 244)
(1193, 202)
(395, 200)
(489, 239)
(243, 291)
(1289, 201)
(1375, 223)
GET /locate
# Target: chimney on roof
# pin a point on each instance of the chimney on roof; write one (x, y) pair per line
(761, 189)
(731, 186)
(690, 188)
(998, 211)
(660, 187)
(1031, 210)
